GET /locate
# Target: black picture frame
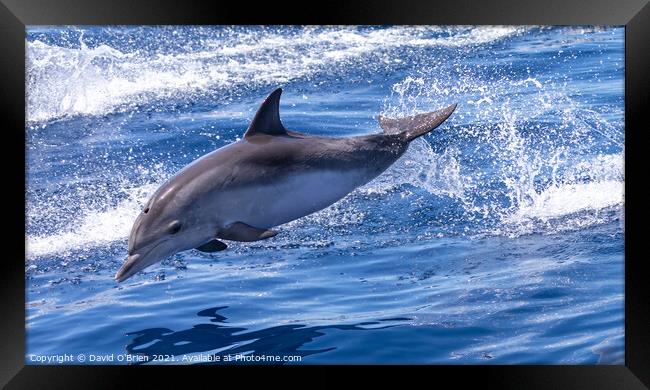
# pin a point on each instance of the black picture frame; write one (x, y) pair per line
(16, 14)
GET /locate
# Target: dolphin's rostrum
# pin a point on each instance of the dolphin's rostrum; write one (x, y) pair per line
(269, 177)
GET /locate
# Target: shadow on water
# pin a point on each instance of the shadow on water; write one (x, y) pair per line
(283, 340)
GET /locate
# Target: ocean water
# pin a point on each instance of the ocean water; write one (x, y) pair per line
(496, 239)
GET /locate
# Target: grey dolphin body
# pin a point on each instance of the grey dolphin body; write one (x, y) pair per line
(269, 177)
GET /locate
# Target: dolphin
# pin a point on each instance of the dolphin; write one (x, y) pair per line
(269, 177)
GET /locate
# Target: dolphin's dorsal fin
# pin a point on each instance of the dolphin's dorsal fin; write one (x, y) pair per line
(267, 118)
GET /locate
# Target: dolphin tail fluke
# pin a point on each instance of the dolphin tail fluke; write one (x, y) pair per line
(414, 126)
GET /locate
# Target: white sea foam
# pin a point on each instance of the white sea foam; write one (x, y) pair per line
(555, 202)
(96, 227)
(571, 204)
(94, 81)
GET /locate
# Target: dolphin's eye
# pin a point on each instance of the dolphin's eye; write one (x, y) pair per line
(146, 210)
(174, 227)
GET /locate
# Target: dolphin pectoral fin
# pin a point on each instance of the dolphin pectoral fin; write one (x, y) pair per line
(212, 246)
(412, 127)
(240, 231)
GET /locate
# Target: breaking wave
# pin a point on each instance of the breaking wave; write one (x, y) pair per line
(85, 80)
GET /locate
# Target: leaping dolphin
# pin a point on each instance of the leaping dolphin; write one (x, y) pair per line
(269, 177)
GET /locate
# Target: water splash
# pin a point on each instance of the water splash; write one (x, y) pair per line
(437, 173)
(522, 153)
(98, 226)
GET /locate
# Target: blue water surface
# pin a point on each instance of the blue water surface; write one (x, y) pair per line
(496, 239)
